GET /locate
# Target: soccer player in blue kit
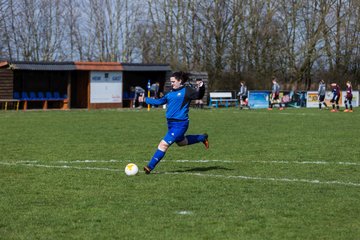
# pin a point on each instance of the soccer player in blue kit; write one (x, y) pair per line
(178, 102)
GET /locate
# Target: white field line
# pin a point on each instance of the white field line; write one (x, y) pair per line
(292, 112)
(196, 174)
(283, 113)
(92, 161)
(209, 161)
(64, 166)
(269, 179)
(184, 212)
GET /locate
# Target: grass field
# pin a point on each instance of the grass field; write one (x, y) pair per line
(292, 174)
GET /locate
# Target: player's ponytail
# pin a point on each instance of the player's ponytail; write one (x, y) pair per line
(181, 76)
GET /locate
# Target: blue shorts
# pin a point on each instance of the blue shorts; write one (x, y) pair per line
(176, 131)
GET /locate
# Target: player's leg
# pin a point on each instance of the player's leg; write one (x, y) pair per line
(201, 104)
(270, 102)
(158, 155)
(179, 130)
(337, 102)
(333, 104)
(192, 139)
(323, 101)
(350, 103)
(246, 102)
(163, 146)
(277, 101)
(176, 131)
(136, 100)
(141, 100)
(346, 105)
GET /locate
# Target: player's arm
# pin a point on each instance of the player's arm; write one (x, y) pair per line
(153, 101)
(198, 93)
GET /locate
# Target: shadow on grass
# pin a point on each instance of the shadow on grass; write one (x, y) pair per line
(204, 169)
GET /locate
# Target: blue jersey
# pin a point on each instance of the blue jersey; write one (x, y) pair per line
(178, 102)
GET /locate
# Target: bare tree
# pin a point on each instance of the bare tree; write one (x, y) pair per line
(297, 40)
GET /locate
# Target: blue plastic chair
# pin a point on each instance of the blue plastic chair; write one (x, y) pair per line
(65, 96)
(16, 95)
(24, 96)
(48, 95)
(41, 95)
(32, 95)
(57, 95)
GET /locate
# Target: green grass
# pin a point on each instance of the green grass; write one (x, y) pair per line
(293, 174)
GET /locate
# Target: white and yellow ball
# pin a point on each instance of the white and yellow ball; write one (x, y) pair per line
(131, 169)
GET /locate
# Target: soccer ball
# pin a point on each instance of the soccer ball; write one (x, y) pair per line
(131, 169)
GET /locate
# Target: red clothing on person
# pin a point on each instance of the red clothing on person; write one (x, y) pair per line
(349, 92)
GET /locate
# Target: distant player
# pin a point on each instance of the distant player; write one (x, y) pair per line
(336, 97)
(155, 89)
(321, 94)
(178, 102)
(199, 102)
(275, 95)
(348, 97)
(243, 95)
(138, 97)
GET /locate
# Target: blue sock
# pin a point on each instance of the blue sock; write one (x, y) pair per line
(156, 159)
(195, 139)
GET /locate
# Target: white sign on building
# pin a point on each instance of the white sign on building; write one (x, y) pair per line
(106, 87)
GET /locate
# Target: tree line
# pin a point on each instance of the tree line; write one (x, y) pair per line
(298, 41)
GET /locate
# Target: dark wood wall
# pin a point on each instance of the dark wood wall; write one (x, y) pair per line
(6, 84)
(80, 89)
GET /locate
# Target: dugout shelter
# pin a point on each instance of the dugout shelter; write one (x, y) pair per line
(67, 85)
